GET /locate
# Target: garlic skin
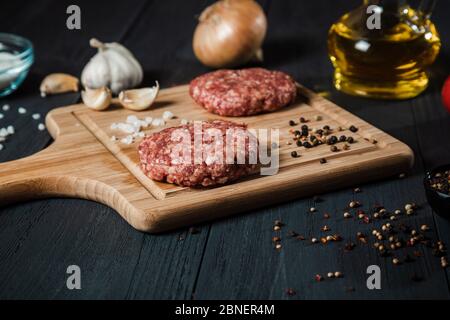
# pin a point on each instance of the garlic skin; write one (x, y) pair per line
(230, 33)
(56, 83)
(97, 99)
(114, 66)
(139, 99)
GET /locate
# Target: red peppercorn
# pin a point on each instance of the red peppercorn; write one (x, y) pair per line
(318, 277)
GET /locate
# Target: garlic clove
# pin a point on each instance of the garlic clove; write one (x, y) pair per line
(58, 83)
(97, 99)
(139, 99)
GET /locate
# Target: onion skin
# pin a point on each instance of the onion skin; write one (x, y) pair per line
(230, 33)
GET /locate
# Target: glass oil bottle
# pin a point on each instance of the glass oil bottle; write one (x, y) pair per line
(387, 62)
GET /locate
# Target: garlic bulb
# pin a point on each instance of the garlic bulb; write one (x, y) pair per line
(113, 66)
(230, 33)
(97, 99)
(139, 99)
(58, 83)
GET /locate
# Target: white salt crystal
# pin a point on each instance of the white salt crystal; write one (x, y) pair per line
(3, 132)
(5, 107)
(36, 116)
(1, 147)
(127, 140)
(10, 130)
(1, 116)
(158, 122)
(22, 110)
(132, 119)
(41, 127)
(148, 120)
(167, 115)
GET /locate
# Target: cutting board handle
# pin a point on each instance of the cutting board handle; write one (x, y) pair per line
(28, 178)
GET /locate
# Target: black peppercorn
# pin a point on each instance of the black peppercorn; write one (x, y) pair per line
(294, 154)
(297, 132)
(312, 138)
(342, 138)
(323, 161)
(292, 123)
(304, 127)
(332, 140)
(302, 120)
(319, 131)
(350, 140)
(353, 129)
(334, 149)
(326, 128)
(299, 143)
(307, 145)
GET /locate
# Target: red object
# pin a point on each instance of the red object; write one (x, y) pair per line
(446, 94)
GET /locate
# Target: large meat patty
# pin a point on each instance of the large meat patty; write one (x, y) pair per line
(245, 92)
(175, 156)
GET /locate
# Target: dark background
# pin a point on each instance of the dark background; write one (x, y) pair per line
(232, 258)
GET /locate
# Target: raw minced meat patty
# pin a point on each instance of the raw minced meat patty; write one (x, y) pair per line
(174, 156)
(243, 92)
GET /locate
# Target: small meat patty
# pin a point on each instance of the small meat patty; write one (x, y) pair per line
(245, 92)
(221, 152)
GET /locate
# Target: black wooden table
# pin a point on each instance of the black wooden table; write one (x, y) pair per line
(233, 258)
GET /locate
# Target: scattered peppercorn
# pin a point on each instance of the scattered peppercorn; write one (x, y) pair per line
(318, 118)
(354, 204)
(323, 161)
(342, 138)
(278, 223)
(302, 120)
(276, 239)
(338, 274)
(353, 129)
(314, 240)
(278, 246)
(294, 154)
(395, 261)
(292, 123)
(290, 292)
(312, 209)
(318, 277)
(330, 275)
(350, 140)
(276, 228)
(347, 215)
(334, 149)
(326, 216)
(307, 145)
(332, 140)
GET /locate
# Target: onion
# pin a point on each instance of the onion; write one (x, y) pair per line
(230, 33)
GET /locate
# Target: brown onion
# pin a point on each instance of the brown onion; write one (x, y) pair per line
(230, 33)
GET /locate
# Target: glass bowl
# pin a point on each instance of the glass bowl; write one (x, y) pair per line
(16, 58)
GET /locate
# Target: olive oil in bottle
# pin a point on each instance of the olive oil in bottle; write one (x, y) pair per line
(387, 62)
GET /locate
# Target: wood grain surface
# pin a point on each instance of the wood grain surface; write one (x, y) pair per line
(234, 257)
(84, 163)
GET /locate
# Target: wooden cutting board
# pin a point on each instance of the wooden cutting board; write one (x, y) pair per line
(84, 162)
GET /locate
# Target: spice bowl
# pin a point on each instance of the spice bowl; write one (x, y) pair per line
(16, 58)
(438, 200)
